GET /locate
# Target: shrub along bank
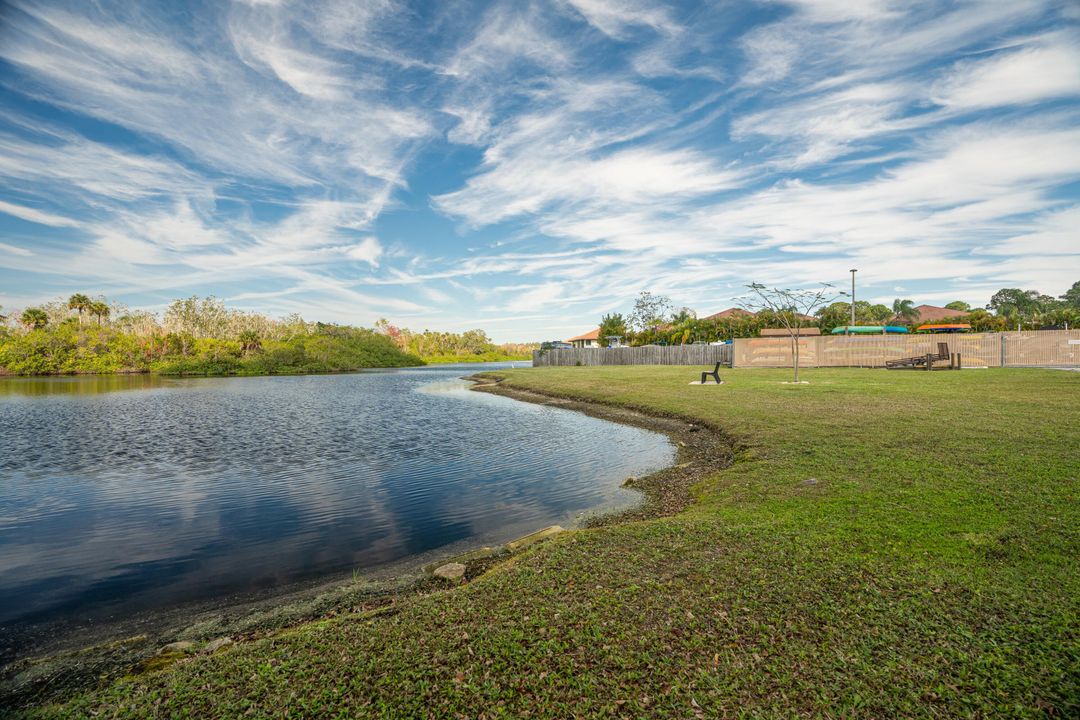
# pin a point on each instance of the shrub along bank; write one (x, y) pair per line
(83, 348)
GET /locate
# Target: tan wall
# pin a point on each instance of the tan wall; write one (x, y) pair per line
(1034, 348)
(775, 352)
(1043, 348)
(874, 350)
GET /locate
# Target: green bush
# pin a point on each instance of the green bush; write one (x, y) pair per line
(70, 348)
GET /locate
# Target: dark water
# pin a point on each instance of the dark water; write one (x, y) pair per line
(121, 494)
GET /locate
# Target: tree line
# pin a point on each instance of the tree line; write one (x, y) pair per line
(469, 346)
(654, 319)
(193, 336)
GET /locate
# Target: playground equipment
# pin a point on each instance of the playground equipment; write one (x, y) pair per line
(927, 361)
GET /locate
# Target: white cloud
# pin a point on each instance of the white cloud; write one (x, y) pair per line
(575, 148)
(978, 162)
(1053, 234)
(368, 250)
(1011, 78)
(305, 73)
(473, 127)
(178, 229)
(920, 221)
(504, 38)
(92, 171)
(207, 101)
(616, 17)
(640, 175)
(771, 53)
(828, 125)
(872, 41)
(15, 250)
(36, 216)
(541, 296)
(622, 146)
(828, 11)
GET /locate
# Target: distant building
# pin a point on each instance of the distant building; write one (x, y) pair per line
(737, 312)
(590, 339)
(729, 313)
(933, 314)
(784, 332)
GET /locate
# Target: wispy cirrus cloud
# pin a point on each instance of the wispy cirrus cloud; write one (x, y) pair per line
(1040, 70)
(617, 18)
(528, 166)
(36, 216)
(92, 172)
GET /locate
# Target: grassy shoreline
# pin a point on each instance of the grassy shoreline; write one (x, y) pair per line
(473, 359)
(105, 653)
(885, 544)
(439, 360)
(207, 373)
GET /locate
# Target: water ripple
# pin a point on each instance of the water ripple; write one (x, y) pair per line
(122, 494)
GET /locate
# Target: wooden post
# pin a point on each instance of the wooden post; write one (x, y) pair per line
(929, 361)
(958, 365)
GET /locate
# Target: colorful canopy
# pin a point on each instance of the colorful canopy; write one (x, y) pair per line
(868, 329)
(945, 328)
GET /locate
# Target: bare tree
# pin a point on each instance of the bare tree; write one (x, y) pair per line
(792, 309)
(650, 311)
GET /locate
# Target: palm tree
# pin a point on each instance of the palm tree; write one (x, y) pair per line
(249, 342)
(1011, 315)
(79, 303)
(99, 310)
(904, 309)
(1069, 317)
(34, 318)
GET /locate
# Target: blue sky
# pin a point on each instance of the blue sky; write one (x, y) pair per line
(528, 166)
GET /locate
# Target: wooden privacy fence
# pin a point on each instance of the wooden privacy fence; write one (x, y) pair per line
(1036, 348)
(649, 355)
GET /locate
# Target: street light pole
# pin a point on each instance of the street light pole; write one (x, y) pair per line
(853, 271)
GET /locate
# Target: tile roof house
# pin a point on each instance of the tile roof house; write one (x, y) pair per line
(784, 332)
(590, 339)
(729, 313)
(933, 313)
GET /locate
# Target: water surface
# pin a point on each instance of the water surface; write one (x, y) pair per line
(121, 494)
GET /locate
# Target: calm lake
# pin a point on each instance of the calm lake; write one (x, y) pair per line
(123, 494)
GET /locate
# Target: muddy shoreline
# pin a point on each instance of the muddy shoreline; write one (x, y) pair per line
(702, 450)
(78, 658)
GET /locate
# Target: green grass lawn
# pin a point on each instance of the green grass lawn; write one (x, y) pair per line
(888, 544)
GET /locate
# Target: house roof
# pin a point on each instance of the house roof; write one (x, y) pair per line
(933, 313)
(730, 312)
(784, 332)
(591, 335)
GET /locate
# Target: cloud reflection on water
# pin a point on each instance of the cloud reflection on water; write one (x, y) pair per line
(186, 489)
